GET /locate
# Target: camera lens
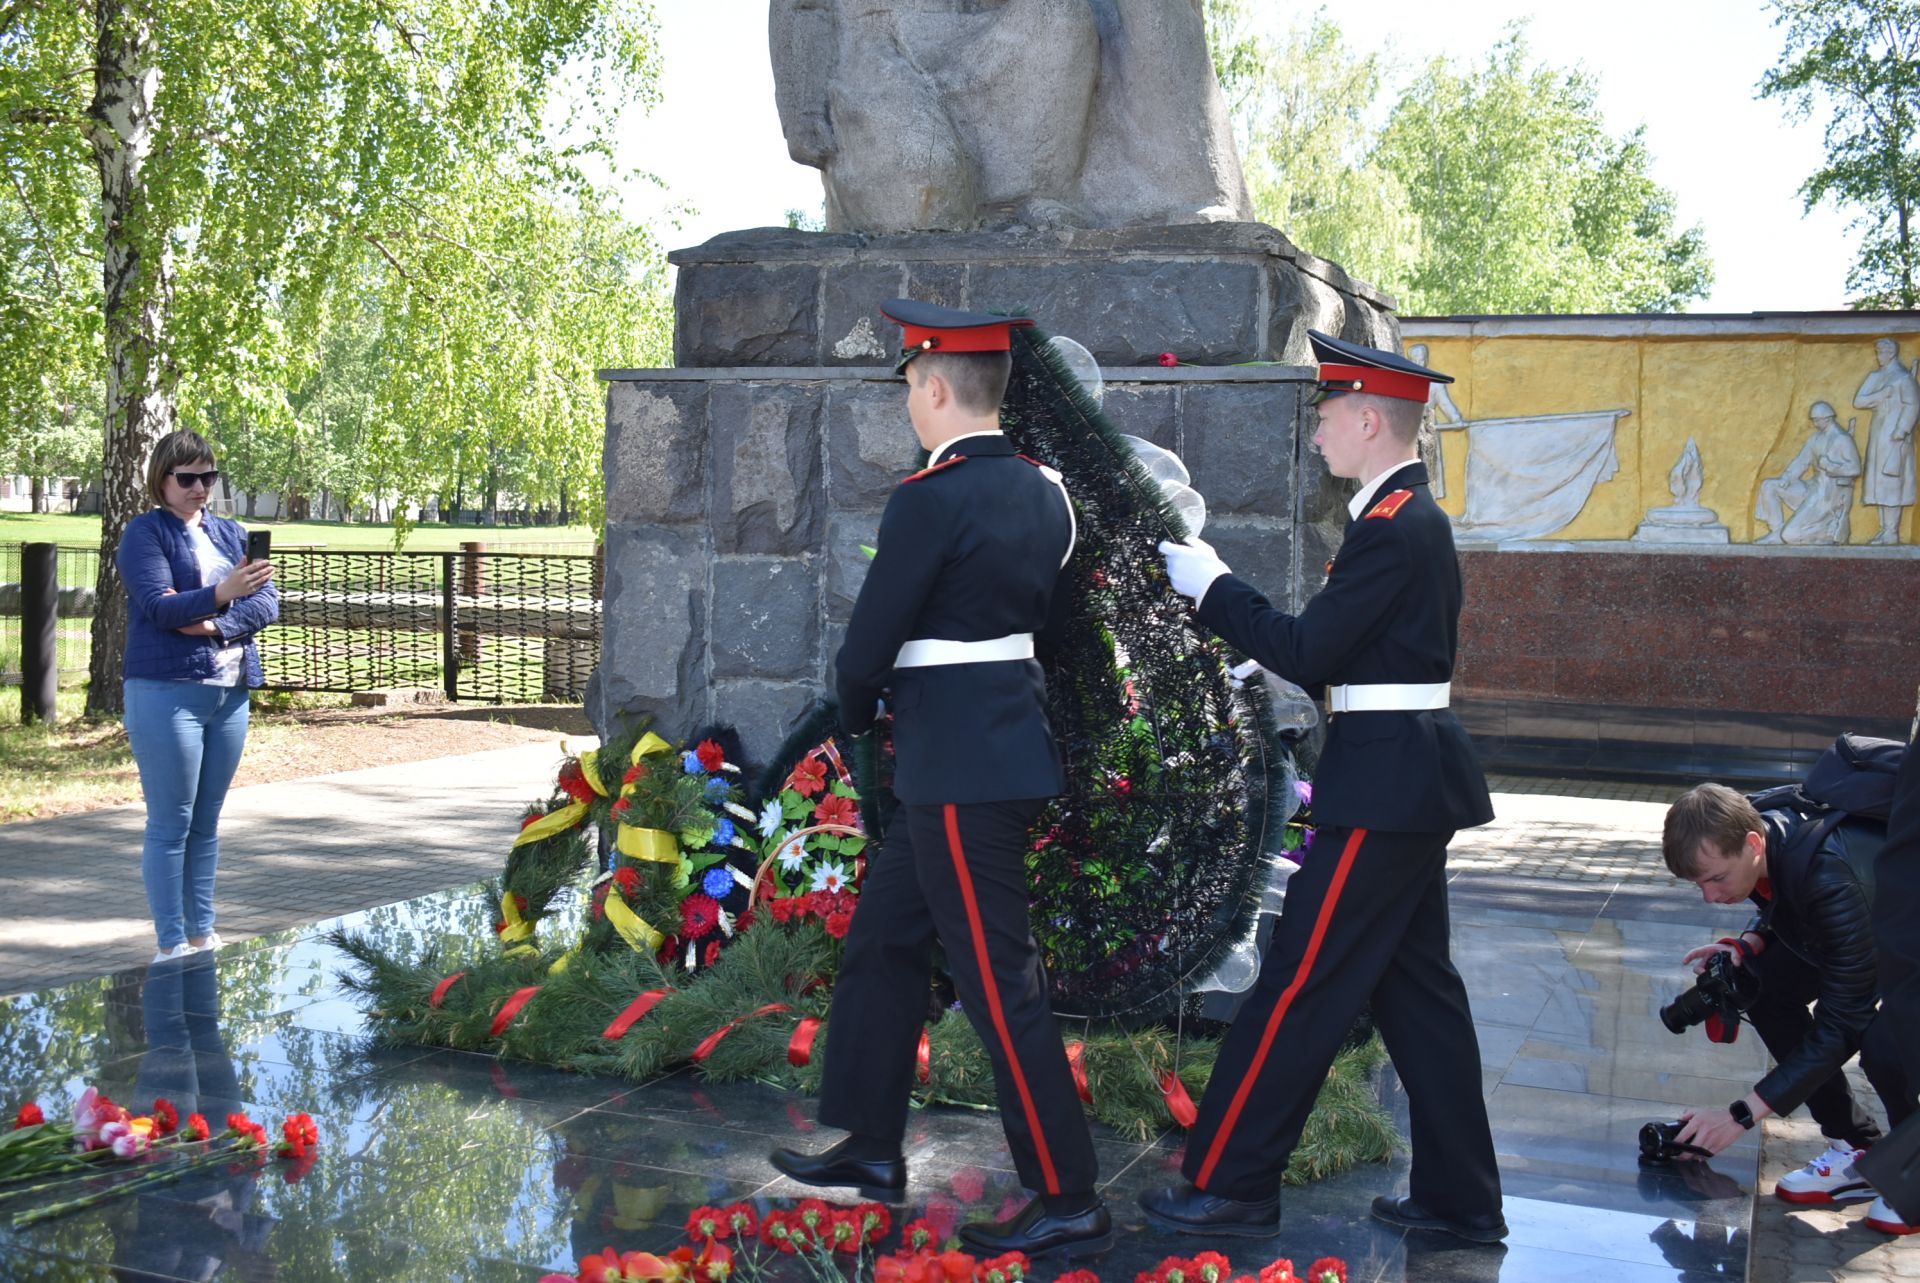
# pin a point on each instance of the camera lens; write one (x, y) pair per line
(1686, 1011)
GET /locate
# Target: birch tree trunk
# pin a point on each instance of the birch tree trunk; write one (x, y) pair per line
(139, 387)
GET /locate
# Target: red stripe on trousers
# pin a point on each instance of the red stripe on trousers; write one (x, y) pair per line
(1280, 1008)
(993, 996)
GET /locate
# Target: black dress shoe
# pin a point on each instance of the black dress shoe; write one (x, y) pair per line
(881, 1179)
(1188, 1210)
(1038, 1232)
(1404, 1212)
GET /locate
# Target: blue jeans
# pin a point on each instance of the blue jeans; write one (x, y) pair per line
(187, 738)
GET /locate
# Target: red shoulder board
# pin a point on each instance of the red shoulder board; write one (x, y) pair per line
(1392, 504)
(1030, 459)
(944, 463)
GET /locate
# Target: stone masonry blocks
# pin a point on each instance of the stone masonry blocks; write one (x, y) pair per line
(655, 626)
(766, 617)
(870, 444)
(766, 439)
(1238, 442)
(852, 331)
(656, 452)
(737, 314)
(1129, 312)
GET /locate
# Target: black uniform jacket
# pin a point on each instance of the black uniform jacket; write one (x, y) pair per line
(969, 550)
(1820, 906)
(1389, 612)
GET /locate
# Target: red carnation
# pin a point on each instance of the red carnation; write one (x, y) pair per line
(166, 1119)
(838, 924)
(712, 955)
(629, 879)
(781, 907)
(1281, 1271)
(1009, 1268)
(527, 821)
(842, 1230)
(1328, 1269)
(301, 1134)
(1212, 1266)
(835, 809)
(29, 1116)
(1169, 360)
(698, 915)
(920, 1235)
(622, 809)
(705, 1223)
(1078, 1276)
(745, 920)
(809, 777)
(573, 782)
(712, 756)
(741, 1219)
(196, 1128)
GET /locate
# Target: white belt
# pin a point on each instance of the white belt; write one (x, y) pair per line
(1388, 697)
(926, 652)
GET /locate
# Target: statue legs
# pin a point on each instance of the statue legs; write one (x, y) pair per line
(1889, 525)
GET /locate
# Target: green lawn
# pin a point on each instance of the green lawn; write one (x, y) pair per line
(22, 527)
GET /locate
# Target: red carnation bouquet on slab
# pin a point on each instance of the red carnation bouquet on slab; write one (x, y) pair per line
(841, 1243)
(105, 1151)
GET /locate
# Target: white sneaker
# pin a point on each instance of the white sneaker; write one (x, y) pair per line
(213, 941)
(1826, 1179)
(1883, 1218)
(1886, 1220)
(179, 951)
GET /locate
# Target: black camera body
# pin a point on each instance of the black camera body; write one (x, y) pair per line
(1724, 989)
(1660, 1146)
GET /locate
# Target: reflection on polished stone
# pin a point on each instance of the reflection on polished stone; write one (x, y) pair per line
(442, 1164)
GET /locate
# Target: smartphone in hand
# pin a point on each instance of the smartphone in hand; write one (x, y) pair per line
(259, 545)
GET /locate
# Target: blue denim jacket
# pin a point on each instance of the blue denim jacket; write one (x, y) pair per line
(155, 554)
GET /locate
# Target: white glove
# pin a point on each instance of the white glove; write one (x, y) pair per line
(1192, 566)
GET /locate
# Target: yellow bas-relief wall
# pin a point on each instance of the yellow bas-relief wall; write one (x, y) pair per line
(1743, 398)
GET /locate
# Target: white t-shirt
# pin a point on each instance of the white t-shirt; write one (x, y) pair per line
(229, 662)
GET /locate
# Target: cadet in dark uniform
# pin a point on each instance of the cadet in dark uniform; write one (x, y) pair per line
(969, 552)
(1365, 918)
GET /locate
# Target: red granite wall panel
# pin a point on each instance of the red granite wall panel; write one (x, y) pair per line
(1784, 634)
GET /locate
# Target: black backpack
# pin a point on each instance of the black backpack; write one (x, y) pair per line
(1853, 778)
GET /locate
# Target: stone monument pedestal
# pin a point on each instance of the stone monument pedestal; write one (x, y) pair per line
(742, 483)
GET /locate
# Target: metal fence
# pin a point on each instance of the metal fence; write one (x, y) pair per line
(78, 569)
(480, 624)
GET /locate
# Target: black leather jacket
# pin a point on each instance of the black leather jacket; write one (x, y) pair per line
(1821, 909)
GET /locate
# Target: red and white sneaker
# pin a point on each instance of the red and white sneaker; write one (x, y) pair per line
(1826, 1179)
(1883, 1218)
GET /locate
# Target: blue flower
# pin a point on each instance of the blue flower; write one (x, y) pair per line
(718, 883)
(690, 763)
(717, 788)
(723, 831)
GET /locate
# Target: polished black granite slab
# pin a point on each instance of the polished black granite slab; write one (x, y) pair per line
(449, 1165)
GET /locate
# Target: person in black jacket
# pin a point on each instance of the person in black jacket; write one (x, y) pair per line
(970, 552)
(1365, 919)
(1811, 943)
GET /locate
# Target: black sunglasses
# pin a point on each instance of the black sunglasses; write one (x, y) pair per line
(190, 479)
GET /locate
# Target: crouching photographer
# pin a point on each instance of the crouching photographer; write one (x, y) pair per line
(1802, 974)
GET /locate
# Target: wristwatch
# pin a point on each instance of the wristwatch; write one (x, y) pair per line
(1741, 1114)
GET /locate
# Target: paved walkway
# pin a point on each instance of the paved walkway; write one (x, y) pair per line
(290, 853)
(1565, 918)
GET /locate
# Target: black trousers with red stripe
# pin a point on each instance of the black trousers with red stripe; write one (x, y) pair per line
(958, 874)
(1365, 920)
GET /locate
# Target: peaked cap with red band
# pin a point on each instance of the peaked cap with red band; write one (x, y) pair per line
(931, 328)
(1348, 367)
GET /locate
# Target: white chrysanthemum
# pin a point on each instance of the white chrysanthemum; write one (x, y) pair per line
(830, 877)
(792, 854)
(770, 819)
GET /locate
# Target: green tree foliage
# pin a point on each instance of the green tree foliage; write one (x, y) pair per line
(1486, 188)
(1529, 205)
(1860, 59)
(1305, 111)
(232, 167)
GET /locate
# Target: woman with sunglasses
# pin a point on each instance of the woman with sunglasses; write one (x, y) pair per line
(194, 604)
